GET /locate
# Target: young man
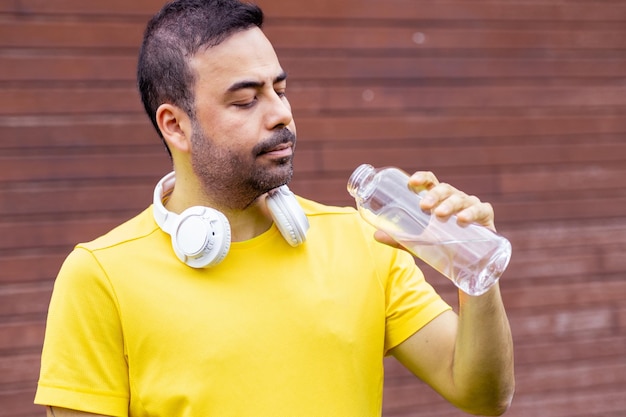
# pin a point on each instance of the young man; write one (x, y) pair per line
(142, 324)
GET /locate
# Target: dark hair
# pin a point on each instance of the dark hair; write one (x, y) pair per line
(173, 36)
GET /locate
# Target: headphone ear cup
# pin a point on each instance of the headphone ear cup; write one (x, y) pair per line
(201, 237)
(288, 215)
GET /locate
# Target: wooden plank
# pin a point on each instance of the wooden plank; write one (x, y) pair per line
(377, 97)
(563, 235)
(70, 34)
(549, 181)
(347, 68)
(607, 401)
(566, 322)
(418, 38)
(576, 350)
(449, 10)
(615, 261)
(22, 299)
(35, 266)
(38, 131)
(67, 67)
(567, 375)
(415, 68)
(621, 319)
(354, 9)
(572, 209)
(75, 199)
(575, 294)
(112, 7)
(570, 265)
(551, 267)
(431, 158)
(346, 129)
(21, 335)
(564, 178)
(307, 35)
(16, 369)
(18, 402)
(57, 234)
(83, 166)
(39, 101)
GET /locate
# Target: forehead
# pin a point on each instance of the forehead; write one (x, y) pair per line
(244, 56)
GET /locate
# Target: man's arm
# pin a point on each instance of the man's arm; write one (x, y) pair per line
(467, 358)
(64, 412)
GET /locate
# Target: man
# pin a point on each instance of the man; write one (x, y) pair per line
(139, 325)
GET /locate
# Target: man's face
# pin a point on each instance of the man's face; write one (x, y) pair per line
(244, 134)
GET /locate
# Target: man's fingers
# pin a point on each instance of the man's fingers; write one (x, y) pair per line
(422, 180)
(383, 237)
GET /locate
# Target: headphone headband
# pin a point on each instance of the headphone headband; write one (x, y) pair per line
(162, 191)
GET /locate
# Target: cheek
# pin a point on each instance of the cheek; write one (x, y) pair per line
(224, 132)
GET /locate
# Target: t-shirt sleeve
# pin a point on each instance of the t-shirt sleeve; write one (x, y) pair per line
(83, 365)
(411, 302)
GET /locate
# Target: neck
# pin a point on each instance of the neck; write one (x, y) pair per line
(250, 222)
(245, 223)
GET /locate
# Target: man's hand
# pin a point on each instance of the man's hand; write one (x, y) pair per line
(443, 200)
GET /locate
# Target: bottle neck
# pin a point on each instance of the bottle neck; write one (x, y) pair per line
(358, 181)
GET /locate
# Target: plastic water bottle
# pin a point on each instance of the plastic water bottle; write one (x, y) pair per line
(472, 256)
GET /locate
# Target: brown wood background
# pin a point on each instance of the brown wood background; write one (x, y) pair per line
(520, 102)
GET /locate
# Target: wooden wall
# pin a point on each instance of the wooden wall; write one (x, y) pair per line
(522, 103)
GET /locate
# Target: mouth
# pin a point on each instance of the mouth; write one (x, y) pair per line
(280, 151)
(279, 146)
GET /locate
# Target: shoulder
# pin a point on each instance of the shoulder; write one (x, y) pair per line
(86, 257)
(340, 227)
(314, 208)
(334, 218)
(136, 228)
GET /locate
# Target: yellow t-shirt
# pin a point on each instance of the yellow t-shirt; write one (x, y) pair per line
(271, 331)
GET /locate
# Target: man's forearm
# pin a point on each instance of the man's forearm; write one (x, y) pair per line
(483, 358)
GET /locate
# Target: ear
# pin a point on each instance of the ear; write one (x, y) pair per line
(175, 127)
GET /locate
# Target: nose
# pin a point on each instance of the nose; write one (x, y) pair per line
(279, 114)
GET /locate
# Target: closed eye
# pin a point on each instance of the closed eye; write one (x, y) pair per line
(247, 104)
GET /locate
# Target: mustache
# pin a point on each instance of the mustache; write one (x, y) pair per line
(278, 138)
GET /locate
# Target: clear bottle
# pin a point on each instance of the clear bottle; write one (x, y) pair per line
(472, 256)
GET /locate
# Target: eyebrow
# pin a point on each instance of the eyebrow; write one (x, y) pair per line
(241, 85)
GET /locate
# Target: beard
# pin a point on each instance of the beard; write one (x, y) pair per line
(235, 179)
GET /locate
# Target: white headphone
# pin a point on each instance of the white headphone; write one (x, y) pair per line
(201, 235)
